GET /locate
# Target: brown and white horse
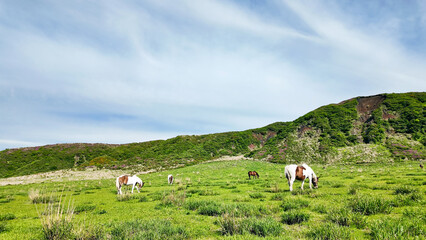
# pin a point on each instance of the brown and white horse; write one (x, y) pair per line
(170, 179)
(128, 180)
(253, 173)
(300, 172)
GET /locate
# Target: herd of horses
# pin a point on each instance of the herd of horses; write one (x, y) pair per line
(292, 172)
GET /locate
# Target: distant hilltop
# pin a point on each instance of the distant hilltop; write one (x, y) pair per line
(383, 127)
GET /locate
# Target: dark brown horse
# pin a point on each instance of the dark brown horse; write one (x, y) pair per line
(253, 173)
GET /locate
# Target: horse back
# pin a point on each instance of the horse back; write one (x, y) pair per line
(123, 179)
(299, 173)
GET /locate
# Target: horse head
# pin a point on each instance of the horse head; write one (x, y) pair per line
(315, 181)
(140, 184)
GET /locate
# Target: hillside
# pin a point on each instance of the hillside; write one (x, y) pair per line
(385, 127)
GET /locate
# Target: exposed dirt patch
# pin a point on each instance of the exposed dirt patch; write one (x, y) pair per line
(88, 174)
(366, 105)
(304, 129)
(65, 175)
(387, 116)
(263, 138)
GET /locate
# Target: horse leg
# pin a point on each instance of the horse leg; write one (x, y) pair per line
(310, 183)
(303, 182)
(290, 184)
(133, 187)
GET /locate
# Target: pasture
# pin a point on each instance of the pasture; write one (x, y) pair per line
(216, 200)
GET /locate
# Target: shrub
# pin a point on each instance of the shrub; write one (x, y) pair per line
(329, 231)
(368, 205)
(7, 216)
(397, 229)
(150, 229)
(294, 217)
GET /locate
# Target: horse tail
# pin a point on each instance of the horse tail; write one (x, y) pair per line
(287, 173)
(117, 183)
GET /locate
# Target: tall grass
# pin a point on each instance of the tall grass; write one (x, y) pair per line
(7, 216)
(368, 205)
(329, 231)
(289, 204)
(212, 208)
(294, 217)
(57, 221)
(340, 216)
(397, 229)
(38, 197)
(173, 199)
(3, 227)
(404, 189)
(231, 225)
(149, 229)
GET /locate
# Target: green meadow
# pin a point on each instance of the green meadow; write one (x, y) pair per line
(216, 200)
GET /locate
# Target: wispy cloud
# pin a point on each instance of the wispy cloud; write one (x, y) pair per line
(120, 72)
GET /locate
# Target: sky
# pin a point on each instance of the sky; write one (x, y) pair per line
(134, 71)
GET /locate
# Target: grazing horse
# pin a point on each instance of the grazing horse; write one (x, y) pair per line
(170, 179)
(300, 172)
(128, 180)
(253, 173)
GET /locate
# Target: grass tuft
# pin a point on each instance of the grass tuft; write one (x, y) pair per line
(294, 217)
(329, 231)
(149, 229)
(369, 205)
(7, 216)
(397, 229)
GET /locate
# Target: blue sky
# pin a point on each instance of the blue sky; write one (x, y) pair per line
(134, 71)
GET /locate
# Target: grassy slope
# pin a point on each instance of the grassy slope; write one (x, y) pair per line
(329, 128)
(226, 183)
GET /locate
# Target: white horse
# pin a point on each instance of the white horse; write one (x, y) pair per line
(128, 180)
(301, 172)
(170, 179)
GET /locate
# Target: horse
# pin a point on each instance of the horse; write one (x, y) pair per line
(170, 179)
(300, 172)
(128, 180)
(253, 173)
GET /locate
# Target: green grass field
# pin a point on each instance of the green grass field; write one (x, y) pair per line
(217, 200)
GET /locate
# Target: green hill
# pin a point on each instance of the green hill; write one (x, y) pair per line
(385, 127)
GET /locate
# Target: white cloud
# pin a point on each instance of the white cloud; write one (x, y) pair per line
(120, 72)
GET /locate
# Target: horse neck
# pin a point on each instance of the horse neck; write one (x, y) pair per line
(313, 174)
